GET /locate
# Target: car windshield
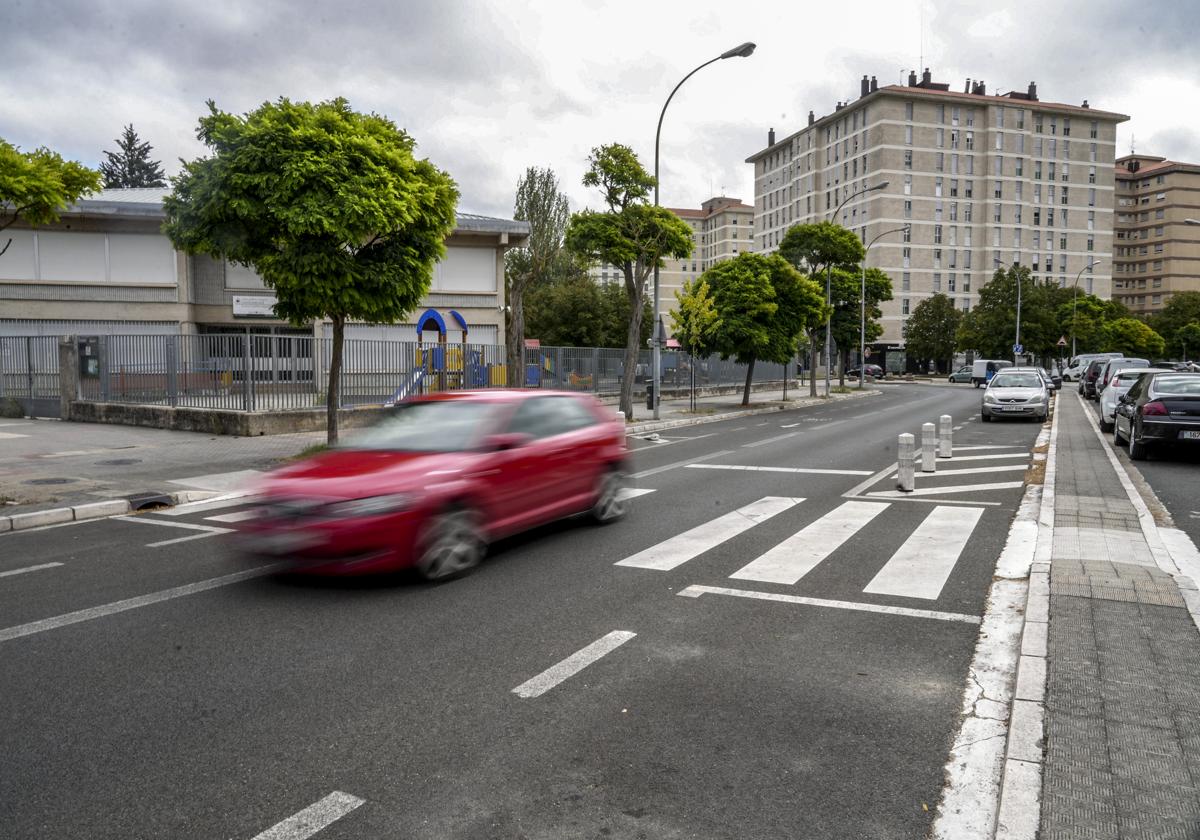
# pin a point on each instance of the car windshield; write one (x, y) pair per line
(1016, 380)
(434, 426)
(1178, 386)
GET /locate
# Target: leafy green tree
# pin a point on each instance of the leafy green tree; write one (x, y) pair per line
(1133, 338)
(327, 205)
(846, 291)
(575, 312)
(36, 186)
(631, 235)
(764, 305)
(929, 332)
(1188, 338)
(1180, 310)
(990, 327)
(540, 203)
(814, 249)
(696, 322)
(1085, 320)
(131, 165)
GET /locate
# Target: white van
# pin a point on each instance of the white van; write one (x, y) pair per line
(982, 370)
(1078, 366)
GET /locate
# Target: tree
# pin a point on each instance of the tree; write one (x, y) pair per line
(1188, 338)
(1180, 310)
(575, 312)
(990, 327)
(545, 208)
(631, 235)
(695, 323)
(35, 186)
(131, 165)
(929, 332)
(764, 305)
(847, 322)
(1133, 338)
(816, 248)
(1084, 320)
(327, 205)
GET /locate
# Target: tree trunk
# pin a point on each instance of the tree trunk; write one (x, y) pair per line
(749, 378)
(812, 364)
(632, 338)
(516, 337)
(332, 403)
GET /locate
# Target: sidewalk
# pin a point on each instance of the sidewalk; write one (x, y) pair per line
(1122, 700)
(51, 464)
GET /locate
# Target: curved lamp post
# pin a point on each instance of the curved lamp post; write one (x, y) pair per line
(882, 185)
(862, 306)
(1075, 297)
(740, 51)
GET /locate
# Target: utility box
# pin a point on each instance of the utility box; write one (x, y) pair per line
(89, 356)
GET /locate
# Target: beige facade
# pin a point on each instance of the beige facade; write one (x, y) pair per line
(982, 180)
(1156, 253)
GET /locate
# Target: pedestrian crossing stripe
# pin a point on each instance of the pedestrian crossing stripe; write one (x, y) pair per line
(920, 567)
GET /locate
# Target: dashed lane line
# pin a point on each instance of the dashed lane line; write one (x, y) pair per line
(314, 818)
(695, 591)
(812, 470)
(683, 463)
(573, 664)
(22, 571)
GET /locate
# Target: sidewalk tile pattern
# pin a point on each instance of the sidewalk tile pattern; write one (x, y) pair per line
(1122, 728)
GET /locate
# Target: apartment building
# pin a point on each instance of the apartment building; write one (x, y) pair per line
(1156, 253)
(982, 180)
(107, 268)
(722, 227)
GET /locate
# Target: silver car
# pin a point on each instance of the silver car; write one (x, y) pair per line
(1016, 393)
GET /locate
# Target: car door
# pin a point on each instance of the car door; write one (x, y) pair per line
(537, 469)
(1123, 416)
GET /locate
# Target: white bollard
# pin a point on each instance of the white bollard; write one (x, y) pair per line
(945, 436)
(928, 448)
(905, 479)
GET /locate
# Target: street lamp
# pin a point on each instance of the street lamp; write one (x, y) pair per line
(1075, 297)
(862, 305)
(1017, 340)
(882, 185)
(740, 51)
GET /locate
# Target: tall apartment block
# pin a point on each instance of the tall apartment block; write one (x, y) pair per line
(983, 180)
(1156, 253)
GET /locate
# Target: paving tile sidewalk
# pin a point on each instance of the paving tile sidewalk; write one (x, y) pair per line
(1122, 707)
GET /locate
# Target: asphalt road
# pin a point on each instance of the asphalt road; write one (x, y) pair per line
(808, 690)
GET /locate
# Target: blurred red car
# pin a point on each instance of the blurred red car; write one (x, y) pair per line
(437, 480)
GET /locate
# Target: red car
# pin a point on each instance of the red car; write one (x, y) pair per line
(431, 485)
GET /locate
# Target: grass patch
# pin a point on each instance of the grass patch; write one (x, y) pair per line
(841, 389)
(309, 451)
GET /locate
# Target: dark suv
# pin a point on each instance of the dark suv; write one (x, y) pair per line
(1087, 382)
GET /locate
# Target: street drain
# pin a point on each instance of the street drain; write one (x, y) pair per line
(51, 481)
(119, 462)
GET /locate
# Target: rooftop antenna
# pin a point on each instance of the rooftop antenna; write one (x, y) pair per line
(921, 37)
(1132, 143)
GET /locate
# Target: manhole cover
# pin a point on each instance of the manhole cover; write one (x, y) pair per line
(119, 462)
(51, 481)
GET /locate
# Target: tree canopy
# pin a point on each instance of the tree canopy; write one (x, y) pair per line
(329, 206)
(929, 332)
(131, 165)
(631, 234)
(1134, 338)
(1180, 310)
(1084, 318)
(846, 322)
(1188, 338)
(577, 312)
(990, 327)
(36, 186)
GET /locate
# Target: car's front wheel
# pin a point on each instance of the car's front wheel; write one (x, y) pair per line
(1118, 440)
(452, 545)
(611, 503)
(1137, 449)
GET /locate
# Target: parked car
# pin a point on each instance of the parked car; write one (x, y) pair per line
(441, 477)
(982, 370)
(1078, 366)
(872, 370)
(963, 374)
(1160, 410)
(1087, 384)
(1110, 369)
(1016, 393)
(1120, 383)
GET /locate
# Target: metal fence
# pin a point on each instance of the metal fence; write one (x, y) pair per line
(253, 372)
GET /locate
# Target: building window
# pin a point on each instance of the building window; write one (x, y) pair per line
(908, 158)
(950, 282)
(908, 134)
(1092, 197)
(1162, 196)
(942, 114)
(1091, 174)
(1092, 153)
(1063, 196)
(1091, 243)
(970, 140)
(1020, 167)
(996, 210)
(1037, 124)
(906, 234)
(906, 257)
(937, 187)
(905, 281)
(904, 306)
(937, 257)
(908, 111)
(969, 187)
(937, 234)
(937, 281)
(999, 141)
(953, 187)
(998, 190)
(941, 138)
(940, 162)
(907, 209)
(996, 237)
(1095, 130)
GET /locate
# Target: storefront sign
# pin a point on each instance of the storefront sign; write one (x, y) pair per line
(253, 306)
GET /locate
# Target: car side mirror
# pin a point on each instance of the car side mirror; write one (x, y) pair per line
(1124, 399)
(505, 441)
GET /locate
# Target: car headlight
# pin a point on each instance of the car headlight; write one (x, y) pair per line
(371, 506)
(990, 399)
(1038, 400)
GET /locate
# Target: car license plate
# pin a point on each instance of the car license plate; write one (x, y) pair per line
(1189, 435)
(1011, 407)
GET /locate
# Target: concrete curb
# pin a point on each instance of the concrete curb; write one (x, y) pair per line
(637, 428)
(93, 510)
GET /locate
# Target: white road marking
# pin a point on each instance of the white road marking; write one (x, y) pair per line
(29, 569)
(975, 470)
(875, 478)
(633, 492)
(989, 457)
(815, 470)
(215, 503)
(683, 547)
(236, 516)
(981, 448)
(312, 819)
(696, 591)
(659, 444)
(904, 497)
(213, 533)
(8, 435)
(920, 567)
(761, 424)
(573, 664)
(684, 463)
(70, 453)
(789, 426)
(219, 481)
(960, 488)
(800, 553)
(9, 633)
(207, 530)
(765, 441)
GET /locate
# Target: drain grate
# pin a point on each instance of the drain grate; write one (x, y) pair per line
(40, 481)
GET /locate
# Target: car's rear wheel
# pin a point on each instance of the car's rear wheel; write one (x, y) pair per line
(610, 504)
(452, 545)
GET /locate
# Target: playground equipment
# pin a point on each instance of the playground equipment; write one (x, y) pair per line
(442, 366)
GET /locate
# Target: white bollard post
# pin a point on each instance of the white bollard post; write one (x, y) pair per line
(928, 448)
(945, 436)
(905, 479)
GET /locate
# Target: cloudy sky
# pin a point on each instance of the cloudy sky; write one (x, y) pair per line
(488, 88)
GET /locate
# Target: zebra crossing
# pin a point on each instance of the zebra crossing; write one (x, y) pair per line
(918, 568)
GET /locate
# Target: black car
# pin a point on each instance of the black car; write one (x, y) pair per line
(1087, 382)
(872, 370)
(1161, 409)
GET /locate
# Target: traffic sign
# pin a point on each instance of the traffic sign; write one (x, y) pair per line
(1018, 349)
(1062, 342)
